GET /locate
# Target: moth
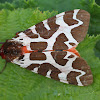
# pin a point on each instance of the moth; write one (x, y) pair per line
(48, 48)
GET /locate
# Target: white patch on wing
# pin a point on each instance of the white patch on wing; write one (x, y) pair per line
(48, 74)
(35, 70)
(46, 24)
(74, 17)
(33, 30)
(63, 77)
(78, 77)
(61, 14)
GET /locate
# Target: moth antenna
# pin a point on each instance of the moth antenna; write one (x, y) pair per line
(1, 42)
(4, 67)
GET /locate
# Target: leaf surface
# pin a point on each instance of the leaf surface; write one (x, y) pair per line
(17, 83)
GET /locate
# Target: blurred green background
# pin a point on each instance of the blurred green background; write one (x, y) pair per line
(20, 84)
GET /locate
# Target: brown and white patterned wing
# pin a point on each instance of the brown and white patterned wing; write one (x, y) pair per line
(62, 31)
(63, 66)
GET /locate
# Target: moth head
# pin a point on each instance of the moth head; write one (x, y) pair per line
(11, 50)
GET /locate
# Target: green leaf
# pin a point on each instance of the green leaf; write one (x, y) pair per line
(14, 4)
(17, 83)
(97, 1)
(94, 11)
(3, 1)
(97, 49)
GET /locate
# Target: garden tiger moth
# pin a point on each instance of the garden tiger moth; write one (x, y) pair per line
(48, 48)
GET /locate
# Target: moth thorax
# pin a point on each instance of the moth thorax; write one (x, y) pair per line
(11, 50)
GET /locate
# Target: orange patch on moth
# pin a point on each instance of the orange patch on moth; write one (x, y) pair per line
(74, 51)
(24, 50)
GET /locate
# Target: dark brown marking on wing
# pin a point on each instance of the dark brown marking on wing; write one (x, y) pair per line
(59, 57)
(59, 44)
(21, 57)
(45, 33)
(79, 32)
(71, 56)
(71, 77)
(16, 36)
(37, 56)
(73, 44)
(81, 64)
(32, 66)
(18, 32)
(30, 34)
(38, 45)
(68, 18)
(45, 67)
